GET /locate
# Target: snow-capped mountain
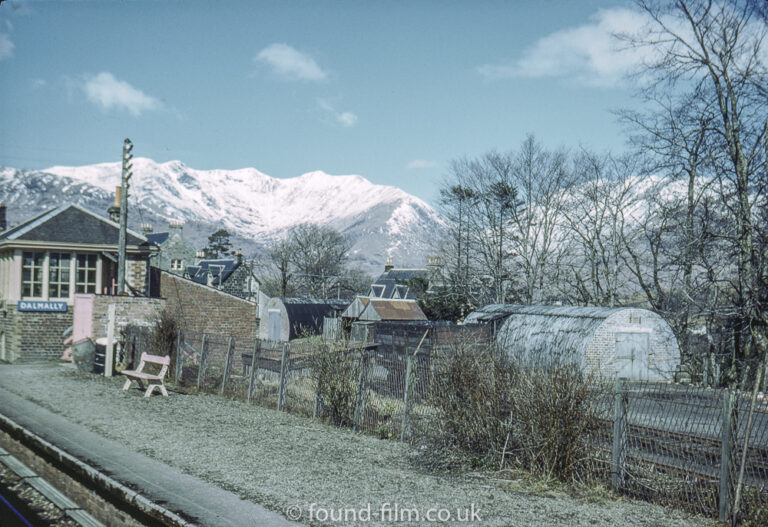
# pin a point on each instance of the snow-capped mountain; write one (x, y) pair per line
(380, 221)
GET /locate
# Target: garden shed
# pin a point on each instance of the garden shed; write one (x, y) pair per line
(289, 318)
(616, 342)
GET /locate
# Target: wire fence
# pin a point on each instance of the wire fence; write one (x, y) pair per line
(689, 447)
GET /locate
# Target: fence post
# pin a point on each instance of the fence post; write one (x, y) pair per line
(726, 458)
(203, 361)
(254, 367)
(282, 389)
(407, 394)
(619, 449)
(179, 371)
(361, 388)
(227, 364)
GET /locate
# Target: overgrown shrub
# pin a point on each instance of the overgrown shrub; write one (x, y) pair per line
(336, 374)
(162, 339)
(505, 410)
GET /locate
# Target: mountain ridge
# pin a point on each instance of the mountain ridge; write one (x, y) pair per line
(381, 221)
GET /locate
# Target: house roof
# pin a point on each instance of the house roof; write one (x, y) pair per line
(394, 280)
(158, 238)
(70, 224)
(219, 268)
(308, 313)
(388, 309)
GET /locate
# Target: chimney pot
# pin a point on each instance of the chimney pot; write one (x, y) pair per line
(3, 220)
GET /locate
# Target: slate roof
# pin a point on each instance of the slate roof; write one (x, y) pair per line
(396, 279)
(70, 224)
(220, 269)
(158, 238)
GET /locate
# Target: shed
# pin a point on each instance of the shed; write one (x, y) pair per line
(289, 318)
(616, 342)
(356, 307)
(383, 309)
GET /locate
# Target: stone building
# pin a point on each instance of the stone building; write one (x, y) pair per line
(176, 253)
(232, 275)
(48, 259)
(615, 342)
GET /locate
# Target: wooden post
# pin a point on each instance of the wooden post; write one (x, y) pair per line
(619, 448)
(282, 390)
(726, 455)
(407, 395)
(109, 357)
(252, 379)
(179, 370)
(227, 365)
(361, 389)
(203, 361)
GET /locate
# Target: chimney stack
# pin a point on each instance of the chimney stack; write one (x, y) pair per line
(146, 228)
(238, 256)
(175, 227)
(114, 210)
(3, 222)
(389, 265)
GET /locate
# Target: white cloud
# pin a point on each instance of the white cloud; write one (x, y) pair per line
(345, 119)
(6, 47)
(590, 53)
(39, 83)
(107, 92)
(290, 63)
(421, 163)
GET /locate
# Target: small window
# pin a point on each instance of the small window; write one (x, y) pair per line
(177, 264)
(86, 273)
(635, 319)
(32, 274)
(58, 275)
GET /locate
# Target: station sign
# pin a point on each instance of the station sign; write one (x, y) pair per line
(42, 306)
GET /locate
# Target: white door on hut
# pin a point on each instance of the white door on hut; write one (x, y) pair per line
(632, 355)
(274, 324)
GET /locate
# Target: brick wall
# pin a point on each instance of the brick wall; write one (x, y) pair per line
(128, 309)
(207, 310)
(136, 273)
(32, 336)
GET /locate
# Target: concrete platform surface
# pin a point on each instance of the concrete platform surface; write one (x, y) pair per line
(203, 503)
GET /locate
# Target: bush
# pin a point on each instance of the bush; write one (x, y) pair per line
(336, 374)
(505, 410)
(162, 338)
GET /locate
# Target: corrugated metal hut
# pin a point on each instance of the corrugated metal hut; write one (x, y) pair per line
(617, 342)
(289, 318)
(356, 307)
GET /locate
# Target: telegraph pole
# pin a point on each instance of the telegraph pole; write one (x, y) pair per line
(126, 176)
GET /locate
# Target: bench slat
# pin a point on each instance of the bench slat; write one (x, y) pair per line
(141, 375)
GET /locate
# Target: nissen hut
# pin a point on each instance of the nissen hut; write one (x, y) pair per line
(617, 342)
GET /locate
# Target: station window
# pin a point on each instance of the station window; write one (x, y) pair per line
(58, 275)
(32, 274)
(85, 273)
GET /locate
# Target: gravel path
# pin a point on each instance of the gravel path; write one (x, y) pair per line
(289, 463)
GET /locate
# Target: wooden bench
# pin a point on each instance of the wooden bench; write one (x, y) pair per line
(154, 381)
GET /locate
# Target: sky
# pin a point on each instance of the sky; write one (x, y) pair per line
(392, 91)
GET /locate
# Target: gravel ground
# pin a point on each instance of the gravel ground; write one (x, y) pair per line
(288, 463)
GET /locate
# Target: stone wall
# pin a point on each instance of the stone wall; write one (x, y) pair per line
(33, 336)
(205, 309)
(128, 309)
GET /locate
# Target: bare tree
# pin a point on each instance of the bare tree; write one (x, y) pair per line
(318, 254)
(713, 53)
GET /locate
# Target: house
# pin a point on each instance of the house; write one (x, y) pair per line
(397, 283)
(613, 342)
(290, 318)
(231, 275)
(49, 258)
(176, 253)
